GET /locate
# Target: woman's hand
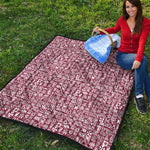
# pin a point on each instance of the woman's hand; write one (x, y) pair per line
(96, 29)
(136, 64)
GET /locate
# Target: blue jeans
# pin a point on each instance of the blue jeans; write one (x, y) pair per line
(142, 78)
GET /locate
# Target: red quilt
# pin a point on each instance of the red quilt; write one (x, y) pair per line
(66, 91)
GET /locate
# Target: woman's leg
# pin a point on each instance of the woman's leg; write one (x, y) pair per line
(140, 74)
(146, 80)
(142, 79)
(125, 60)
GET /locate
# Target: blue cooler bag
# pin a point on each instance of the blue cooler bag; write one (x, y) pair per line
(100, 46)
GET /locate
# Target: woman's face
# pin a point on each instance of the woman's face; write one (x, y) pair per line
(131, 9)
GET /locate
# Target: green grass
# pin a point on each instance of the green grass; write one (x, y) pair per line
(26, 27)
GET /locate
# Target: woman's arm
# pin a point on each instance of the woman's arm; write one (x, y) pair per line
(143, 38)
(111, 30)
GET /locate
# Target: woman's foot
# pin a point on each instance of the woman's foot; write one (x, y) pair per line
(140, 104)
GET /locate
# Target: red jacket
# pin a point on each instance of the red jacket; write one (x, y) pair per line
(131, 43)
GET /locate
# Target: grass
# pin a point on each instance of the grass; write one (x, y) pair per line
(26, 27)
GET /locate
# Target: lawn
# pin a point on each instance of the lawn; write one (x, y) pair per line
(26, 27)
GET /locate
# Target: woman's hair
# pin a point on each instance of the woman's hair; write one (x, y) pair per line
(139, 17)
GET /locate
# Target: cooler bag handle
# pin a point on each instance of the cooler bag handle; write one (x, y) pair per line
(105, 33)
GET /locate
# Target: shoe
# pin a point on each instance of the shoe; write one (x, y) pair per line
(140, 105)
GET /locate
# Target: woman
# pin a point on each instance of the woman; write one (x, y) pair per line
(135, 29)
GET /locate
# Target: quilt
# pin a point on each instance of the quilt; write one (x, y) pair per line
(65, 91)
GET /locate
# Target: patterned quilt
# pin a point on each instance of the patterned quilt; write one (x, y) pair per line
(66, 91)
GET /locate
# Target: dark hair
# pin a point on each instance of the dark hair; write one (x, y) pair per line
(139, 17)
